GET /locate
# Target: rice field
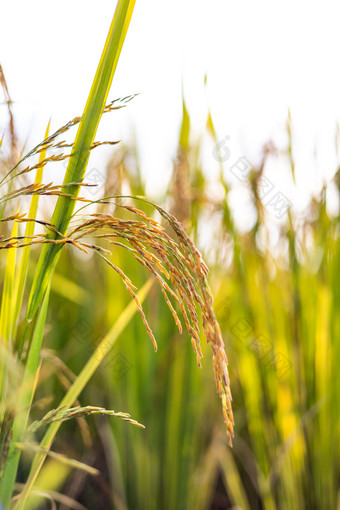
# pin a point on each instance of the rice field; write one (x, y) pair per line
(153, 354)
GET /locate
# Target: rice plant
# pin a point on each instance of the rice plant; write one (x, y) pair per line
(172, 259)
(145, 432)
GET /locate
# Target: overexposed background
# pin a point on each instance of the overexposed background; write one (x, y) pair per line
(261, 58)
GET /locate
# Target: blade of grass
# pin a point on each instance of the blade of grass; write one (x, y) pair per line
(6, 314)
(22, 269)
(81, 148)
(25, 400)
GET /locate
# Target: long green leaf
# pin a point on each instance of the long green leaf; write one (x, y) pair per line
(81, 148)
(6, 315)
(23, 266)
(24, 404)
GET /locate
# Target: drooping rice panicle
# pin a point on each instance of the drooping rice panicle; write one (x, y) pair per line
(182, 265)
(185, 269)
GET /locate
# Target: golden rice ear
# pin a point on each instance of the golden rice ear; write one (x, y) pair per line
(180, 271)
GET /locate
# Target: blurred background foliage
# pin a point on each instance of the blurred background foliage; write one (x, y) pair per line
(276, 290)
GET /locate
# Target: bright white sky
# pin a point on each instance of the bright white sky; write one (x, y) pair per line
(260, 57)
